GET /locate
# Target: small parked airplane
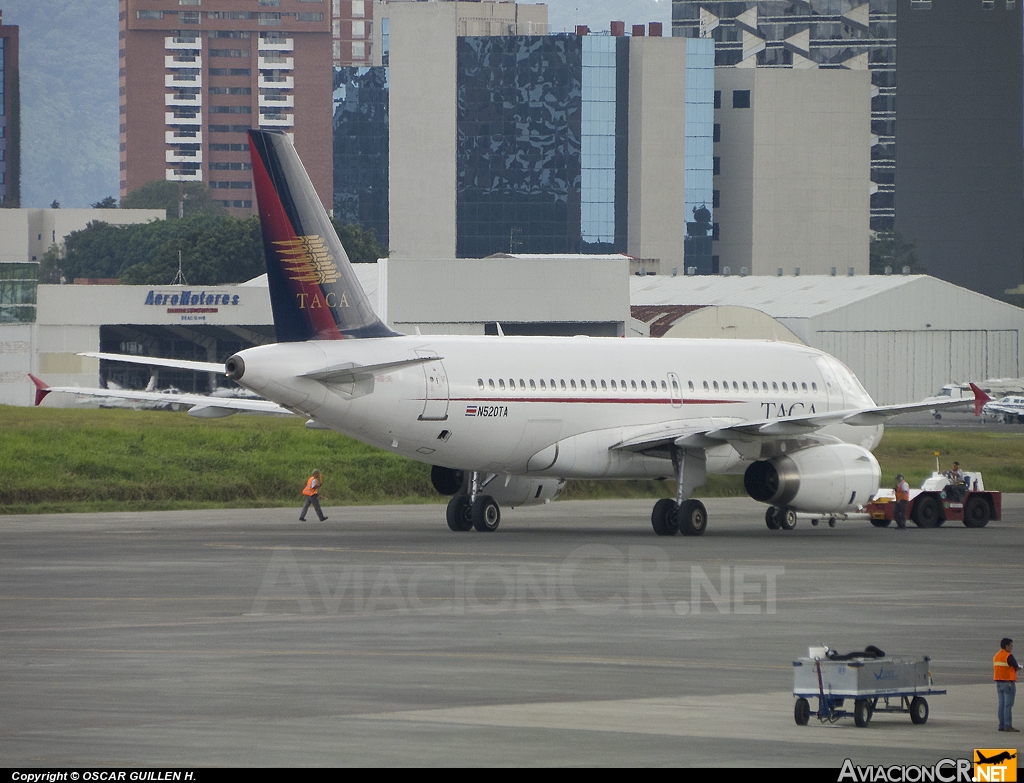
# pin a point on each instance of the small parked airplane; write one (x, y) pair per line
(1010, 410)
(506, 420)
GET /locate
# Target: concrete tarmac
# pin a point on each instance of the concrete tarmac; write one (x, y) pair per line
(571, 636)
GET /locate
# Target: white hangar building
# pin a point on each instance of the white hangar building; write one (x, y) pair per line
(905, 336)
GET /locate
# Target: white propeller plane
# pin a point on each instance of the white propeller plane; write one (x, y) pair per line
(506, 420)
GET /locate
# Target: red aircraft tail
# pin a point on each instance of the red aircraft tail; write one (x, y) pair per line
(41, 388)
(980, 398)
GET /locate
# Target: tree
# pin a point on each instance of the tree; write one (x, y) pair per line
(214, 251)
(360, 243)
(163, 194)
(55, 204)
(108, 203)
(889, 249)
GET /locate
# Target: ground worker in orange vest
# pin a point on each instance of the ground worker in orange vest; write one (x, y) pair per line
(312, 493)
(899, 513)
(1005, 675)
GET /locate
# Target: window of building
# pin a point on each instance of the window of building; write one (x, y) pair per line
(714, 232)
(358, 29)
(150, 14)
(718, 99)
(717, 132)
(306, 16)
(358, 50)
(358, 9)
(741, 99)
(716, 200)
(716, 165)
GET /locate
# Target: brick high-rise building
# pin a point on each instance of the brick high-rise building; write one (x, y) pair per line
(10, 117)
(352, 31)
(194, 76)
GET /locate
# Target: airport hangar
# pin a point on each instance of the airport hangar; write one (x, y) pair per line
(903, 335)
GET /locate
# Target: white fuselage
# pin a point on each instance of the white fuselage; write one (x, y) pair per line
(554, 406)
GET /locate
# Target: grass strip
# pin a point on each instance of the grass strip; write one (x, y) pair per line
(75, 460)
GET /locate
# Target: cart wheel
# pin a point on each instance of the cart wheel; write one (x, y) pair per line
(881, 522)
(919, 710)
(861, 713)
(801, 712)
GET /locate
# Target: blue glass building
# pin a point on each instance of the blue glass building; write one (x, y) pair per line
(541, 145)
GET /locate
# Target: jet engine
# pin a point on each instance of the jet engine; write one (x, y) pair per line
(506, 490)
(837, 477)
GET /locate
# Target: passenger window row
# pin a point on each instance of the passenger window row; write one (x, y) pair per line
(569, 385)
(642, 386)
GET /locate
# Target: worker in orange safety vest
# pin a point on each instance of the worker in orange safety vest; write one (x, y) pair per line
(1005, 668)
(312, 493)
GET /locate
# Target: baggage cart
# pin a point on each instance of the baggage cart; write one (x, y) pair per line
(870, 681)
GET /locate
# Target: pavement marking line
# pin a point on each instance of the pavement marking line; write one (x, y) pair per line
(759, 716)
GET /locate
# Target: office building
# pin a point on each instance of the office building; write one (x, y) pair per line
(546, 144)
(194, 78)
(960, 166)
(792, 172)
(857, 35)
(10, 117)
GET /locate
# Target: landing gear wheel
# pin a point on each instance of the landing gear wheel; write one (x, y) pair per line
(832, 522)
(881, 522)
(801, 712)
(458, 513)
(919, 710)
(787, 519)
(976, 512)
(927, 512)
(663, 518)
(771, 518)
(486, 514)
(692, 518)
(861, 713)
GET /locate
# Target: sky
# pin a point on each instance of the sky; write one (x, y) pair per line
(69, 87)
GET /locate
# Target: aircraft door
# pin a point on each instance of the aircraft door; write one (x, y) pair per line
(675, 390)
(435, 398)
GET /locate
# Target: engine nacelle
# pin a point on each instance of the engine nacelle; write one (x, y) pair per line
(838, 477)
(523, 490)
(519, 491)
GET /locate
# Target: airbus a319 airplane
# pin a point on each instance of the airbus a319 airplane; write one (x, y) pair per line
(506, 420)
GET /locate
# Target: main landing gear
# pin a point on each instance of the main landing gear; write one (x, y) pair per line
(474, 510)
(688, 517)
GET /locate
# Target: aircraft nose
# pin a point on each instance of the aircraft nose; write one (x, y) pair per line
(234, 367)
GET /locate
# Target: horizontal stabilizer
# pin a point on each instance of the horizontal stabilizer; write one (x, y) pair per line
(153, 361)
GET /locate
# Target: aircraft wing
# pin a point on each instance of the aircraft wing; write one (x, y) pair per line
(152, 361)
(200, 405)
(748, 437)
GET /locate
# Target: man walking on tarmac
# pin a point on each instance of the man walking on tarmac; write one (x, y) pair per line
(1006, 667)
(899, 513)
(312, 493)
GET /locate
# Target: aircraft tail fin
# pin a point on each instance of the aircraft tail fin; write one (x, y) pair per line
(41, 388)
(314, 292)
(980, 398)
